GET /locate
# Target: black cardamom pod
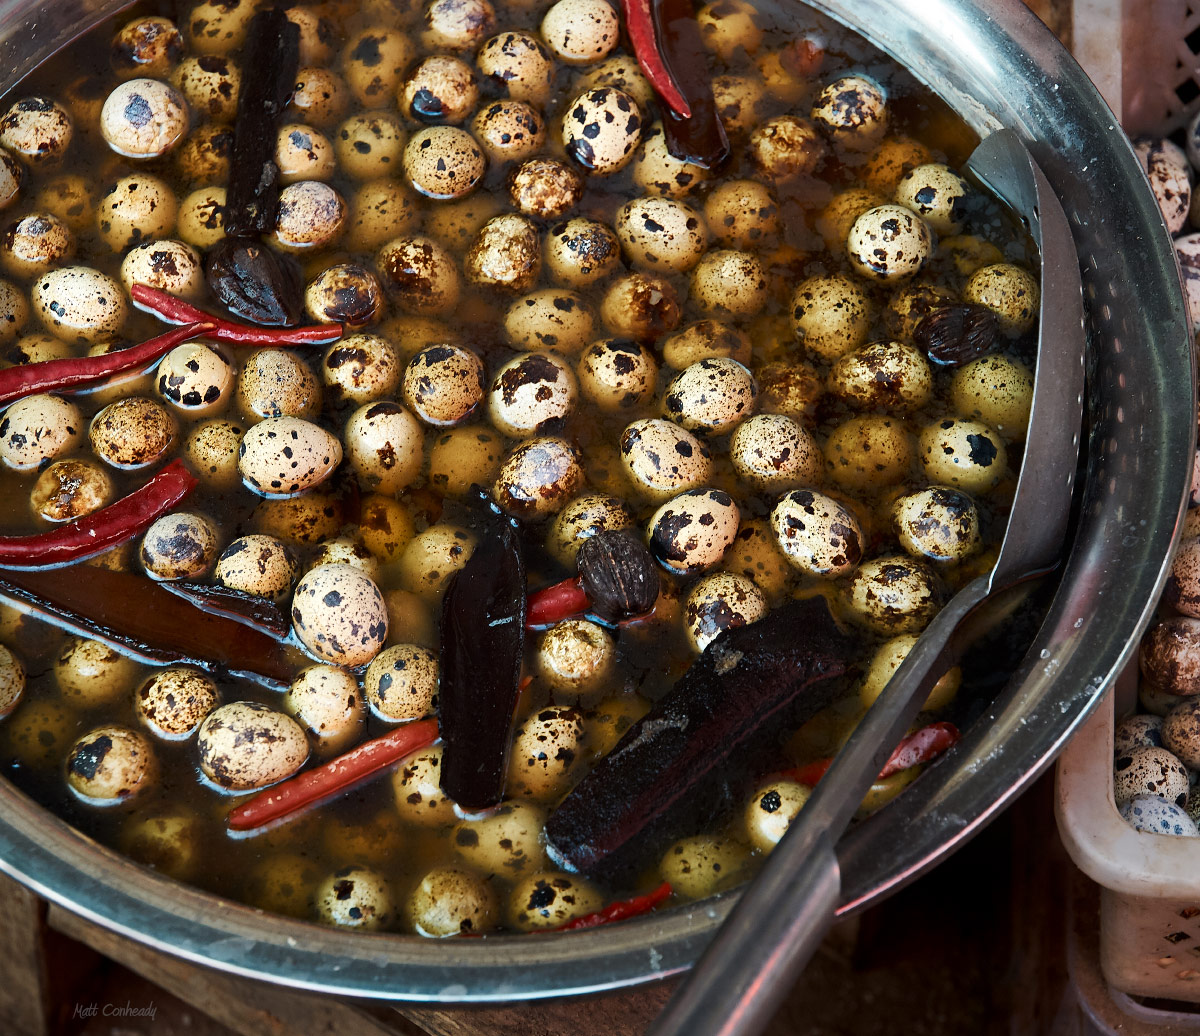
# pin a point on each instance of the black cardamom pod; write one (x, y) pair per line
(618, 574)
(957, 334)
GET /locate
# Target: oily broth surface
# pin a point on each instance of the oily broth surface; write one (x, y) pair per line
(361, 827)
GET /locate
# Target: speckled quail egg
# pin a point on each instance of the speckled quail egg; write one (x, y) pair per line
(440, 89)
(840, 212)
(209, 83)
(661, 234)
(203, 157)
(691, 532)
(303, 153)
(142, 119)
(1154, 700)
(549, 899)
(277, 383)
(346, 549)
(998, 391)
(581, 519)
(505, 841)
(889, 243)
(69, 489)
(506, 254)
(938, 523)
(345, 293)
(173, 702)
(581, 32)
(384, 446)
(1143, 730)
(326, 702)
(657, 171)
(179, 546)
(711, 396)
(385, 526)
(575, 658)
(320, 97)
(316, 34)
(853, 112)
(538, 477)
(1180, 736)
(355, 897)
(869, 452)
(361, 368)
(443, 384)
(727, 282)
(40, 733)
(831, 315)
(91, 673)
(338, 614)
(622, 72)
(211, 449)
(1170, 655)
(517, 65)
(703, 865)
(581, 252)
(1156, 816)
(201, 218)
(1169, 178)
(609, 721)
(451, 901)
(171, 266)
(755, 554)
(641, 306)
(311, 214)
(509, 131)
(547, 753)
(14, 311)
(786, 147)
(894, 594)
(381, 211)
(462, 457)
(285, 456)
(1150, 771)
(38, 429)
(703, 340)
(601, 129)
(148, 46)
(663, 459)
(36, 348)
(742, 214)
(616, 374)
(374, 61)
(431, 558)
(773, 452)
(37, 130)
(417, 789)
(12, 175)
(887, 375)
(1009, 291)
(1182, 591)
(456, 224)
(544, 188)
(110, 764)
(936, 193)
(260, 565)
(819, 535)
(33, 245)
(420, 274)
(443, 162)
(457, 25)
(896, 156)
(771, 810)
(739, 100)
(886, 661)
(195, 378)
(168, 840)
(79, 304)
(69, 197)
(719, 602)
(303, 520)
(531, 394)
(401, 683)
(369, 145)
(968, 455)
(553, 319)
(218, 26)
(728, 28)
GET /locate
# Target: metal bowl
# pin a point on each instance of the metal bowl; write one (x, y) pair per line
(996, 65)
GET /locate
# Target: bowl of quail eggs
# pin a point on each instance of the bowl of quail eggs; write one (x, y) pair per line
(421, 416)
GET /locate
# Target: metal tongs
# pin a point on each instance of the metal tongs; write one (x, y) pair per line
(782, 917)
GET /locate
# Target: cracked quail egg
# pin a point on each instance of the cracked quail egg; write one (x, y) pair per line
(174, 702)
(544, 188)
(420, 274)
(853, 111)
(69, 489)
(506, 254)
(142, 118)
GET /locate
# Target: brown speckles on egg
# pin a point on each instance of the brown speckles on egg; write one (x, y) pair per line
(547, 752)
(728, 283)
(1009, 291)
(889, 243)
(618, 374)
(938, 523)
(894, 594)
(1170, 655)
(110, 764)
(538, 477)
(339, 615)
(179, 546)
(580, 252)
(37, 129)
(642, 306)
(691, 532)
(443, 384)
(285, 456)
(416, 785)
(311, 215)
(355, 897)
(819, 535)
(853, 112)
(663, 459)
(260, 565)
(773, 452)
(711, 396)
(517, 65)
(79, 304)
(441, 90)
(1151, 771)
(451, 901)
(601, 130)
(420, 275)
(174, 702)
(384, 445)
(443, 162)
(719, 602)
(506, 254)
(142, 118)
(457, 25)
(550, 899)
(531, 394)
(36, 430)
(345, 293)
(661, 234)
(883, 375)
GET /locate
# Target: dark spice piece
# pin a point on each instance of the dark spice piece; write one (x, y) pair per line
(618, 575)
(255, 283)
(483, 635)
(256, 612)
(749, 684)
(956, 334)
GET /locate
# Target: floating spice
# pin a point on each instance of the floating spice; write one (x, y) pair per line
(956, 334)
(618, 575)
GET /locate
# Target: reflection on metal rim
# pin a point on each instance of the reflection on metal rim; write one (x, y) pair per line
(995, 67)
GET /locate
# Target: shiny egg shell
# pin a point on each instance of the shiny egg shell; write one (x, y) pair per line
(110, 764)
(1149, 771)
(339, 615)
(246, 745)
(692, 531)
(819, 535)
(285, 456)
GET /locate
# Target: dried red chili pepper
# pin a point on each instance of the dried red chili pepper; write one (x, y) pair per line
(175, 311)
(621, 910)
(335, 776)
(921, 746)
(554, 603)
(96, 532)
(72, 372)
(643, 35)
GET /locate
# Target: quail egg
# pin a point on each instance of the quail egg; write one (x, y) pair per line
(936, 193)
(938, 523)
(506, 254)
(69, 489)
(870, 452)
(702, 865)
(443, 162)
(728, 283)
(518, 65)
(1009, 291)
(711, 396)
(1150, 771)
(110, 764)
(311, 215)
(616, 374)
(195, 378)
(691, 532)
(772, 452)
(786, 147)
(544, 188)
(355, 897)
(771, 810)
(575, 658)
(831, 315)
(547, 753)
(601, 129)
(401, 683)
(967, 455)
(33, 245)
(553, 319)
(581, 252)
(531, 394)
(889, 243)
(174, 702)
(1170, 655)
(338, 614)
(259, 565)
(506, 841)
(538, 477)
(417, 790)
(451, 901)
(661, 233)
(179, 546)
(663, 459)
(581, 519)
(580, 32)
(819, 535)
(997, 390)
(142, 118)
(549, 899)
(37, 430)
(641, 306)
(420, 275)
(285, 456)
(1180, 736)
(719, 602)
(171, 266)
(853, 112)
(1156, 816)
(894, 594)
(440, 89)
(431, 558)
(361, 368)
(883, 375)
(79, 304)
(327, 703)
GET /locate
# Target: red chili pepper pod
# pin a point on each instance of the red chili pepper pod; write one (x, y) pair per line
(556, 602)
(621, 910)
(175, 311)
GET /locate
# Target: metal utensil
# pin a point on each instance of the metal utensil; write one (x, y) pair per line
(782, 917)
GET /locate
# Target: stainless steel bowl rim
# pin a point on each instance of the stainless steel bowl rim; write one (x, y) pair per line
(997, 66)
